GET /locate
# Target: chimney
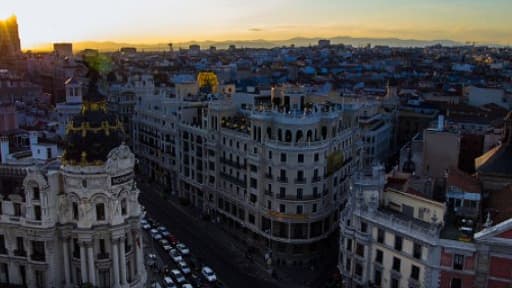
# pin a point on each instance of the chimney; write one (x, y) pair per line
(4, 148)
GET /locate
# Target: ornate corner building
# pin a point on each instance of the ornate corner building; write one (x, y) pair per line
(73, 220)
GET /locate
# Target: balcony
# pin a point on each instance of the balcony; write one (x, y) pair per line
(283, 179)
(269, 176)
(300, 181)
(20, 253)
(316, 179)
(40, 257)
(269, 193)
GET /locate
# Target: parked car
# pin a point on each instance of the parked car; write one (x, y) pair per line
(187, 285)
(146, 226)
(156, 236)
(161, 228)
(173, 240)
(208, 274)
(167, 248)
(151, 262)
(169, 283)
(163, 242)
(183, 249)
(176, 274)
(175, 255)
(182, 265)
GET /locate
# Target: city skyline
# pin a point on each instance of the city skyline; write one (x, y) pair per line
(179, 21)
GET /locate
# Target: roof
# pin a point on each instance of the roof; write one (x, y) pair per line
(499, 204)
(464, 181)
(497, 160)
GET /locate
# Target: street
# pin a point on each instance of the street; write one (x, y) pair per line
(230, 267)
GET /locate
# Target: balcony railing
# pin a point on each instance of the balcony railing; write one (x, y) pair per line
(300, 180)
(269, 176)
(283, 179)
(316, 179)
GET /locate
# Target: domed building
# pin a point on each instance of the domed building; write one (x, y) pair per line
(75, 221)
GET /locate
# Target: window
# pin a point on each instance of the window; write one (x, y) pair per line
(124, 208)
(100, 212)
(416, 253)
(415, 272)
(252, 219)
(380, 236)
(299, 193)
(456, 283)
(359, 270)
(37, 212)
(282, 192)
(349, 245)
(282, 208)
(17, 209)
(269, 155)
(379, 256)
(398, 243)
(283, 157)
(269, 205)
(299, 209)
(75, 210)
(360, 249)
(364, 227)
(314, 208)
(35, 193)
(254, 183)
(38, 252)
(3, 249)
(396, 264)
(300, 158)
(316, 157)
(458, 262)
(377, 277)
(395, 283)
(348, 264)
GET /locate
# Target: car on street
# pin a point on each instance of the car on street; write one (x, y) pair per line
(183, 249)
(156, 236)
(167, 248)
(173, 240)
(175, 255)
(208, 274)
(146, 226)
(151, 262)
(169, 283)
(176, 274)
(182, 265)
(187, 285)
(163, 242)
(161, 228)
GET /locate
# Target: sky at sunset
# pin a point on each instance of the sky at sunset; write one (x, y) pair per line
(151, 21)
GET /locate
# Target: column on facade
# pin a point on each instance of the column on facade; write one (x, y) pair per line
(115, 261)
(67, 266)
(122, 262)
(90, 260)
(83, 263)
(139, 255)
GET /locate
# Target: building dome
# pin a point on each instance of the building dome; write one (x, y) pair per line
(93, 132)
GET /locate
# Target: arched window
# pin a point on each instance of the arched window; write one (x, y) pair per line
(309, 136)
(288, 136)
(324, 132)
(298, 136)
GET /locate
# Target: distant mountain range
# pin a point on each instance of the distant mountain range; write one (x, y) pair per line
(260, 43)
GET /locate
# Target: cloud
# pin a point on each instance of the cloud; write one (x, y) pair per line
(255, 29)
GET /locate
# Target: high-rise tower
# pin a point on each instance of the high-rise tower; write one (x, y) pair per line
(9, 37)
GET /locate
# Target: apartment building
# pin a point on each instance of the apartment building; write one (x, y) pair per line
(267, 163)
